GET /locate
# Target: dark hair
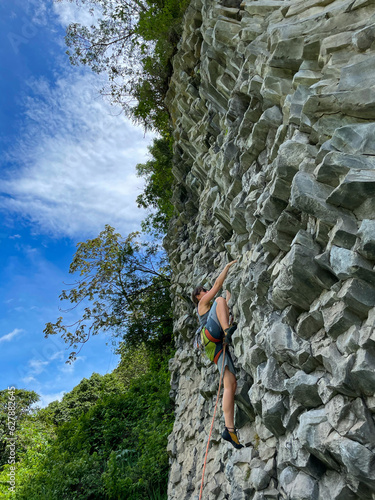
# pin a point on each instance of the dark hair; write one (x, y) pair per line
(197, 291)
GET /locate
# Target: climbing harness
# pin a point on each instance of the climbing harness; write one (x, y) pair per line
(212, 345)
(212, 423)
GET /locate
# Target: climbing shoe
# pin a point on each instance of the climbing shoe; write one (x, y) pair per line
(228, 334)
(231, 437)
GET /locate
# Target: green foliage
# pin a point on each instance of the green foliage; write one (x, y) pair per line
(81, 398)
(133, 41)
(152, 419)
(123, 287)
(134, 363)
(33, 438)
(158, 191)
(23, 400)
(115, 449)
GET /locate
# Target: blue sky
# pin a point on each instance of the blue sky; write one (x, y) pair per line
(67, 168)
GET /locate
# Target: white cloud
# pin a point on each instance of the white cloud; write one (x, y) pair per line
(68, 12)
(57, 355)
(38, 13)
(75, 161)
(46, 399)
(37, 366)
(9, 336)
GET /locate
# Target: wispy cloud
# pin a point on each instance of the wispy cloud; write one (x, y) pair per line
(57, 355)
(46, 399)
(73, 170)
(37, 366)
(38, 12)
(70, 12)
(9, 336)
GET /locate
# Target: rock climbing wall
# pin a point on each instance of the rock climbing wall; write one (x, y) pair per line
(273, 108)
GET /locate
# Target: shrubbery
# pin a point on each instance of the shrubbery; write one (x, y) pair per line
(114, 449)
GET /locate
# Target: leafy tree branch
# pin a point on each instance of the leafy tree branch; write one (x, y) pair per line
(123, 287)
(133, 42)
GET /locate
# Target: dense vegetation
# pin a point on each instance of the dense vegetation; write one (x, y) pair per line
(104, 440)
(157, 194)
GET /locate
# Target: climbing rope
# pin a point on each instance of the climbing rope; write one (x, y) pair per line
(212, 423)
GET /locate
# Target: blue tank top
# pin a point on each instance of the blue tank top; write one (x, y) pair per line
(203, 318)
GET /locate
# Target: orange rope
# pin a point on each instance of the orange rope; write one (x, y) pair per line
(212, 423)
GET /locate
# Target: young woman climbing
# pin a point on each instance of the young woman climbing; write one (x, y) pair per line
(215, 328)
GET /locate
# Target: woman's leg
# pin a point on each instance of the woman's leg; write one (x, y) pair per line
(230, 386)
(222, 312)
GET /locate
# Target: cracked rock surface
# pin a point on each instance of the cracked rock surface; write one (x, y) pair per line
(273, 110)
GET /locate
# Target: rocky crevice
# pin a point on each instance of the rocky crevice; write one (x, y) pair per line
(273, 109)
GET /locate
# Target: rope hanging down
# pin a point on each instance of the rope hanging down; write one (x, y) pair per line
(212, 423)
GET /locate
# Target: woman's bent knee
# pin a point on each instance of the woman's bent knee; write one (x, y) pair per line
(218, 300)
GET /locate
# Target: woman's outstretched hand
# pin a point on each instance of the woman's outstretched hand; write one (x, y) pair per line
(231, 263)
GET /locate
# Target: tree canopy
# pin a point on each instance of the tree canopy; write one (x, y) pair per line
(123, 286)
(81, 398)
(24, 401)
(133, 41)
(103, 440)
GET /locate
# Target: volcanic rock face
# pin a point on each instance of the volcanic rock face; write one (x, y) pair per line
(273, 108)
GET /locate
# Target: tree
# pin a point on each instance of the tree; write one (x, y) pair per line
(81, 398)
(115, 448)
(23, 401)
(135, 362)
(157, 194)
(123, 287)
(133, 41)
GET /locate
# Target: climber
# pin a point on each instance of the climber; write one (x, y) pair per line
(215, 331)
